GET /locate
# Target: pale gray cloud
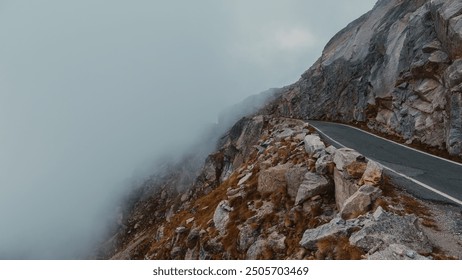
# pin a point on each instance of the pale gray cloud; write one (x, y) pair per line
(90, 90)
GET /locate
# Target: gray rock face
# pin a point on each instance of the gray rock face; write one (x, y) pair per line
(256, 249)
(344, 157)
(360, 202)
(324, 164)
(396, 252)
(386, 229)
(373, 173)
(294, 178)
(313, 144)
(312, 236)
(247, 237)
(313, 184)
(344, 188)
(276, 241)
(221, 216)
(272, 179)
(396, 68)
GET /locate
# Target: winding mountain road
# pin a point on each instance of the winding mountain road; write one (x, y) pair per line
(422, 174)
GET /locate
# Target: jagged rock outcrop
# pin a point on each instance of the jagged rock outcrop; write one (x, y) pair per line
(396, 69)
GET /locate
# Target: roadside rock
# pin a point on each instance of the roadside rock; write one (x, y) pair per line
(373, 174)
(324, 165)
(396, 252)
(344, 188)
(284, 134)
(360, 202)
(387, 228)
(331, 150)
(313, 184)
(344, 157)
(313, 144)
(294, 178)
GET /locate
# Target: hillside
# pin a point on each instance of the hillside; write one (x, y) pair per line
(273, 189)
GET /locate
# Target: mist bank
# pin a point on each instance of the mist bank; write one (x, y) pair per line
(178, 170)
(91, 94)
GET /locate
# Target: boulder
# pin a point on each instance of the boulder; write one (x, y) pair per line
(324, 165)
(344, 157)
(313, 184)
(284, 134)
(276, 242)
(396, 252)
(331, 150)
(313, 144)
(373, 174)
(221, 216)
(387, 228)
(294, 178)
(360, 202)
(272, 179)
(310, 237)
(256, 249)
(247, 237)
(344, 188)
(244, 179)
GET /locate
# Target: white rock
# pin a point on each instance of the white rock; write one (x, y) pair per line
(344, 157)
(314, 184)
(312, 236)
(373, 174)
(313, 144)
(360, 202)
(244, 179)
(221, 216)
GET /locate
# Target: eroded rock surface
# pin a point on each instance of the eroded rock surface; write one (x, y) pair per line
(396, 68)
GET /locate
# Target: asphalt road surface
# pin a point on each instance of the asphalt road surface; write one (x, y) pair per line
(424, 175)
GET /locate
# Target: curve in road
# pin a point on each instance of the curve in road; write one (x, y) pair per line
(437, 178)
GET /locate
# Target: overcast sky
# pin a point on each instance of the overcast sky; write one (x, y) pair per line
(91, 90)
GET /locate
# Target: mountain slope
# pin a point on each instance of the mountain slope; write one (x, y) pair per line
(273, 190)
(397, 69)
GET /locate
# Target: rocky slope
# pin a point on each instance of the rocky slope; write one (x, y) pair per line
(272, 189)
(397, 69)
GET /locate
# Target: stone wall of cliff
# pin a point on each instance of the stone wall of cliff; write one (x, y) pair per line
(397, 69)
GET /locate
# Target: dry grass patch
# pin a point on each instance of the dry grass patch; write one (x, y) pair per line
(400, 203)
(337, 248)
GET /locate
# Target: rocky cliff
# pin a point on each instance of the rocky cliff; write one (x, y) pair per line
(273, 189)
(397, 69)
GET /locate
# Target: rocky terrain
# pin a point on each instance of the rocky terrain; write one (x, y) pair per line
(273, 189)
(396, 69)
